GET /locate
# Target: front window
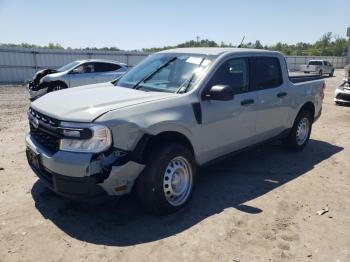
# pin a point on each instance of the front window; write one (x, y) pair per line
(68, 66)
(174, 73)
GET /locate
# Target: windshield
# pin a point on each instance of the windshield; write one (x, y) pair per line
(315, 63)
(166, 73)
(68, 66)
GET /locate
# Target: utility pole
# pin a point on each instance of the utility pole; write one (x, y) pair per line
(348, 35)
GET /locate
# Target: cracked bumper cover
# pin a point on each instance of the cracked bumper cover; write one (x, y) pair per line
(342, 95)
(74, 175)
(34, 94)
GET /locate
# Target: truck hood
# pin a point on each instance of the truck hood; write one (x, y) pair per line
(86, 103)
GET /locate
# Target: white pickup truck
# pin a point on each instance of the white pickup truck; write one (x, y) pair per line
(319, 67)
(178, 109)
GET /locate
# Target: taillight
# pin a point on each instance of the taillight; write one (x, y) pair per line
(322, 91)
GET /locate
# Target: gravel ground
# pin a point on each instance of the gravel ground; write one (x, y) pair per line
(258, 206)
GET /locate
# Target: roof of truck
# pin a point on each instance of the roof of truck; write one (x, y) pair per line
(215, 50)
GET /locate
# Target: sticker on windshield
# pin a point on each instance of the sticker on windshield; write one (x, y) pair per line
(194, 60)
(206, 62)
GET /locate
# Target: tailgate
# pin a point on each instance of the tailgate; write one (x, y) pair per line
(310, 68)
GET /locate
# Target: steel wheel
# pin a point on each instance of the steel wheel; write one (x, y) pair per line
(177, 182)
(303, 130)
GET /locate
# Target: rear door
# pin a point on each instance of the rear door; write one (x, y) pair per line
(273, 97)
(229, 125)
(107, 71)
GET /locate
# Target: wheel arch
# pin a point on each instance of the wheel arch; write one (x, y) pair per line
(147, 142)
(309, 106)
(54, 82)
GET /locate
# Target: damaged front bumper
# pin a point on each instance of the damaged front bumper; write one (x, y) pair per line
(35, 93)
(342, 93)
(77, 175)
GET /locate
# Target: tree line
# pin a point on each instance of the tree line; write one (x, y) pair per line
(327, 45)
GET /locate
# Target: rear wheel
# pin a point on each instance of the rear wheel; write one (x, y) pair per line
(320, 73)
(167, 182)
(331, 73)
(301, 130)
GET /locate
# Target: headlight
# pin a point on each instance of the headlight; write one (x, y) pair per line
(100, 140)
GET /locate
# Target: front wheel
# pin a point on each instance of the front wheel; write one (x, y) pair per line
(301, 130)
(56, 87)
(338, 103)
(167, 182)
(320, 73)
(331, 73)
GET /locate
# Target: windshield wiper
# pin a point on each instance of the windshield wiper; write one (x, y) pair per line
(136, 86)
(183, 88)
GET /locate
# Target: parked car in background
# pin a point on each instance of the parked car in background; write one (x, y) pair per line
(77, 73)
(319, 67)
(342, 92)
(176, 110)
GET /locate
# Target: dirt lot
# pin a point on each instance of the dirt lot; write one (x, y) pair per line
(258, 206)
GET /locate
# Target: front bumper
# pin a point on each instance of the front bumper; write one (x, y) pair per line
(76, 175)
(342, 95)
(36, 94)
(70, 187)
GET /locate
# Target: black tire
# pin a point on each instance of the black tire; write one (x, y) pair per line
(150, 186)
(331, 73)
(56, 86)
(320, 73)
(292, 140)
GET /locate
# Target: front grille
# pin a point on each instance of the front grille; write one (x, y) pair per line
(345, 97)
(45, 133)
(46, 119)
(47, 140)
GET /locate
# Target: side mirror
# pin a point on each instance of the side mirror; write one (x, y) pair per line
(220, 93)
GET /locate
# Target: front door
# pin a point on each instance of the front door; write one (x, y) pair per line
(229, 125)
(83, 74)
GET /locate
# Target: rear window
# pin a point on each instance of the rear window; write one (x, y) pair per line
(106, 67)
(315, 63)
(266, 72)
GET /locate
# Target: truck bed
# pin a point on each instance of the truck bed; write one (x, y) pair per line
(304, 78)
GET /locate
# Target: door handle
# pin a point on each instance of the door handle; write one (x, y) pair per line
(247, 102)
(282, 94)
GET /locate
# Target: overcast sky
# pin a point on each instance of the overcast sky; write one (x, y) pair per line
(132, 24)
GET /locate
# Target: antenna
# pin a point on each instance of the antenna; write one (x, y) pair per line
(240, 45)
